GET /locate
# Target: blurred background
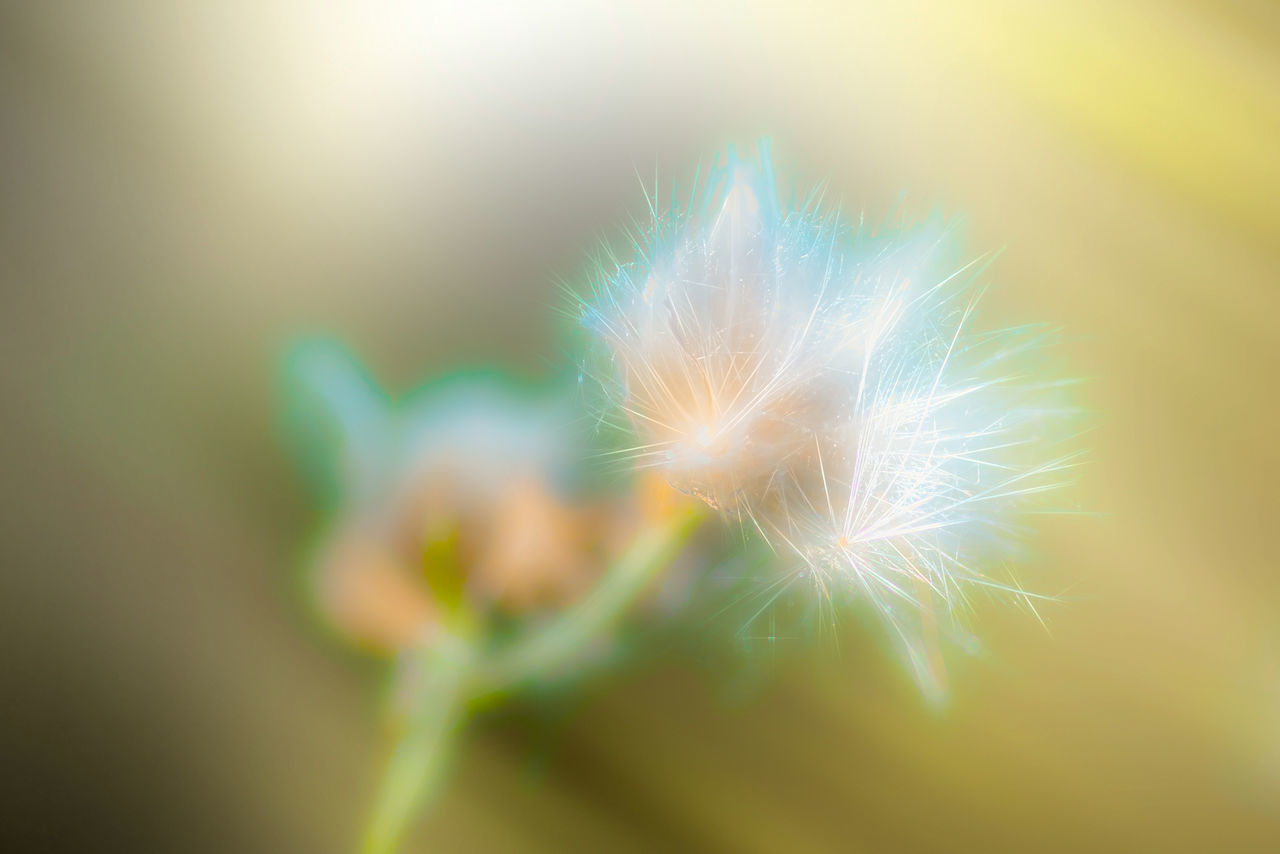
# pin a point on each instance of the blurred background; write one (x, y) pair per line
(185, 186)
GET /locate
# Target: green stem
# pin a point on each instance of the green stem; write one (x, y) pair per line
(420, 758)
(455, 678)
(545, 649)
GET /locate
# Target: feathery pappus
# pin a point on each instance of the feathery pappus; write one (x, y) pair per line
(827, 384)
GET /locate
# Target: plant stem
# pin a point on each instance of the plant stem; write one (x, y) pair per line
(420, 758)
(551, 646)
(456, 678)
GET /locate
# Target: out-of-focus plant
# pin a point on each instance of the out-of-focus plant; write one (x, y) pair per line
(469, 540)
(823, 385)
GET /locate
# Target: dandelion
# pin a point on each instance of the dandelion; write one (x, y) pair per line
(828, 385)
(825, 385)
(720, 352)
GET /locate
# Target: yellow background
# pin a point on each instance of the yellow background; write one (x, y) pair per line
(185, 188)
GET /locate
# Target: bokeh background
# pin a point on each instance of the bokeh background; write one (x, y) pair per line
(185, 186)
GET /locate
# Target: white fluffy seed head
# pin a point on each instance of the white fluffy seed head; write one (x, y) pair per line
(827, 385)
(717, 356)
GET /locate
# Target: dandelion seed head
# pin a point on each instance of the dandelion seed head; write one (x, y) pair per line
(709, 338)
(829, 385)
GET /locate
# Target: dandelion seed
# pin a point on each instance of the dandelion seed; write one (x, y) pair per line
(829, 387)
